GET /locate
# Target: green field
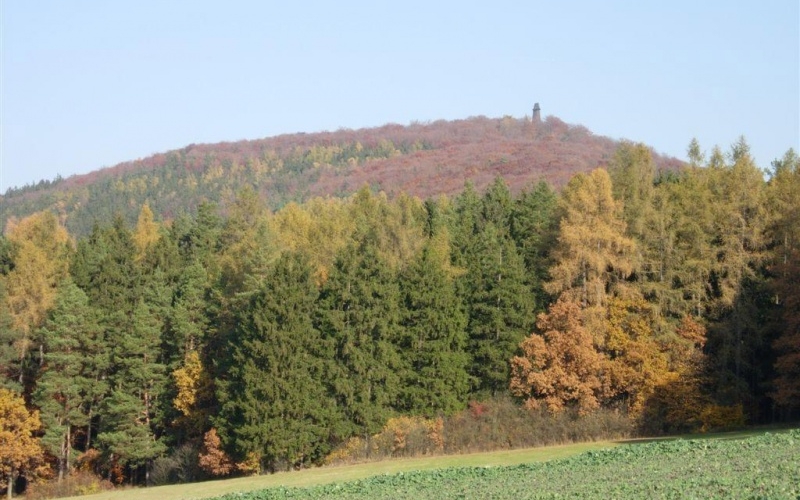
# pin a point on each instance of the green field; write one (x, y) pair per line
(761, 466)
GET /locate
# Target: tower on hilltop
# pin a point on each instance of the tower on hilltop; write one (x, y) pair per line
(537, 113)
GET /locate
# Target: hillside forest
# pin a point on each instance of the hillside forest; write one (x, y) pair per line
(243, 338)
(420, 159)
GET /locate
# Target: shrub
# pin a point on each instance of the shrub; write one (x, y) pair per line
(720, 418)
(80, 482)
(400, 437)
(495, 424)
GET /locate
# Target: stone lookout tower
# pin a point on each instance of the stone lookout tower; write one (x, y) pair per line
(537, 114)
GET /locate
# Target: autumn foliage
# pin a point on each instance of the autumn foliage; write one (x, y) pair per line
(213, 458)
(560, 366)
(21, 453)
(249, 333)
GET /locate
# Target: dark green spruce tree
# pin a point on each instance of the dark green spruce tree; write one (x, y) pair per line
(434, 337)
(534, 228)
(500, 306)
(359, 314)
(275, 402)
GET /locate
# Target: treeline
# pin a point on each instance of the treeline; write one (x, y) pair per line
(260, 340)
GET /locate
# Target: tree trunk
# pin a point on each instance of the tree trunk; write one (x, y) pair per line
(68, 450)
(11, 483)
(88, 433)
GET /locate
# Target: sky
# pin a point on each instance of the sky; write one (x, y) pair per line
(89, 84)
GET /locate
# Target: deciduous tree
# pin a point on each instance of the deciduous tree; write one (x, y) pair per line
(560, 365)
(20, 451)
(592, 256)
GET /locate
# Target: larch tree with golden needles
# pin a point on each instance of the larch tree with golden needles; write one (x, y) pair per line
(40, 248)
(592, 256)
(784, 233)
(147, 231)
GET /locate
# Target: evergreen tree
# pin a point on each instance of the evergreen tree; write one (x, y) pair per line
(497, 205)
(104, 268)
(10, 364)
(64, 391)
(534, 227)
(359, 314)
(274, 401)
(136, 380)
(189, 319)
(434, 345)
(500, 307)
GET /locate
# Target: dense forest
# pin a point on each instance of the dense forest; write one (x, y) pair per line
(243, 338)
(422, 160)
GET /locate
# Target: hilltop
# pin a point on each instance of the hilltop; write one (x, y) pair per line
(421, 159)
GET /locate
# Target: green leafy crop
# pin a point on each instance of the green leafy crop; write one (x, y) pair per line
(766, 466)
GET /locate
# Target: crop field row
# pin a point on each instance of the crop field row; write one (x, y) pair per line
(766, 466)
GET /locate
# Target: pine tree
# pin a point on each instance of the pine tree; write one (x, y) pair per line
(137, 378)
(10, 364)
(64, 392)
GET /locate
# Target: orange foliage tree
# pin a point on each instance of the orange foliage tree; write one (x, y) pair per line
(560, 366)
(213, 458)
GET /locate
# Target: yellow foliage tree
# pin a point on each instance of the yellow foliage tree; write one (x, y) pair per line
(634, 361)
(678, 403)
(41, 248)
(20, 452)
(194, 388)
(593, 255)
(147, 231)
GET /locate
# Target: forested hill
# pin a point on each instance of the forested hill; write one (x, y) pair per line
(419, 159)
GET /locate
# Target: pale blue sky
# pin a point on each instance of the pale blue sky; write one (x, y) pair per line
(88, 84)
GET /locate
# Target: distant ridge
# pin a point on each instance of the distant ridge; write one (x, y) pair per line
(420, 159)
